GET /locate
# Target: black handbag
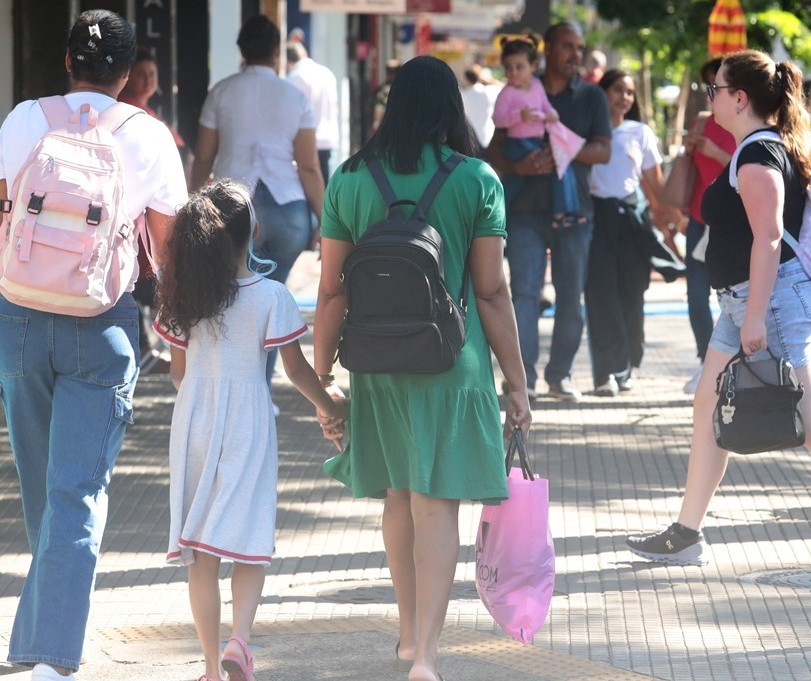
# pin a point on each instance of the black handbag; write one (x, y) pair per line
(757, 406)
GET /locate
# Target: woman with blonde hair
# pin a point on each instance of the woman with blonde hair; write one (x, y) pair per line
(760, 282)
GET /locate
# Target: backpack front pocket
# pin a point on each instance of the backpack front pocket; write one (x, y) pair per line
(390, 287)
(402, 348)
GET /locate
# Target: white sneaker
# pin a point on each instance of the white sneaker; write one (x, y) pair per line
(608, 389)
(692, 384)
(45, 672)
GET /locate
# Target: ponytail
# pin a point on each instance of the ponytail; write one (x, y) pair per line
(775, 90)
(793, 119)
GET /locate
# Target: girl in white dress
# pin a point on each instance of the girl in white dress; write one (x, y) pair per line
(220, 320)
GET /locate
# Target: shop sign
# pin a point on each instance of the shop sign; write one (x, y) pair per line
(355, 6)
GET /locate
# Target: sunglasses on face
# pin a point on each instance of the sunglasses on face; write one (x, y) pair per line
(712, 89)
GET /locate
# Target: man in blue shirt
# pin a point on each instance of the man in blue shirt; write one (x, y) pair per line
(582, 108)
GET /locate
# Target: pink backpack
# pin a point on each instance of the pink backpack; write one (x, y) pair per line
(67, 244)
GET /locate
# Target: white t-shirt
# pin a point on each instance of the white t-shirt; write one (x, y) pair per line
(318, 83)
(479, 112)
(257, 116)
(153, 172)
(633, 149)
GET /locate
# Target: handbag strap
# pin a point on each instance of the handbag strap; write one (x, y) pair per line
(518, 446)
(740, 358)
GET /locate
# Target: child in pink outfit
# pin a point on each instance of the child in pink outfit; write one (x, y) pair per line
(523, 108)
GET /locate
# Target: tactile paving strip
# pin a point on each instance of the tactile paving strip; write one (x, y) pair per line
(543, 664)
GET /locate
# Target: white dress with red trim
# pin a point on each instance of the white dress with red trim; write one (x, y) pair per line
(223, 457)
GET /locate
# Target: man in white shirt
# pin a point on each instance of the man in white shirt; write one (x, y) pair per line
(260, 130)
(319, 85)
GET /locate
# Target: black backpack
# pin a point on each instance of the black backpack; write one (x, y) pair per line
(400, 317)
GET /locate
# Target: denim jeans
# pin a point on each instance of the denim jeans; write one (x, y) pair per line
(698, 291)
(284, 232)
(66, 384)
(788, 316)
(528, 238)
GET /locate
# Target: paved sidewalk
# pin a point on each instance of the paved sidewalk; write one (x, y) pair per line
(615, 466)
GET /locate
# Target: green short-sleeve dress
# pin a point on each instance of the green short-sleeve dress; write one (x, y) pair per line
(437, 434)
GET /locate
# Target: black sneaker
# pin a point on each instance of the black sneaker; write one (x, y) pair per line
(670, 547)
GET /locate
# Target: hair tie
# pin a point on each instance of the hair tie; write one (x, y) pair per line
(781, 74)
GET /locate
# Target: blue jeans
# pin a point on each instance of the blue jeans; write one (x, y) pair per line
(788, 316)
(698, 291)
(66, 384)
(528, 237)
(284, 232)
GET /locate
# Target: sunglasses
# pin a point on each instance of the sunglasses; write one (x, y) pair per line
(712, 89)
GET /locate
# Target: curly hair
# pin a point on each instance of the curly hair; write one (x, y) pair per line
(198, 280)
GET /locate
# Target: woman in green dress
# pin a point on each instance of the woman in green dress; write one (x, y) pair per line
(423, 442)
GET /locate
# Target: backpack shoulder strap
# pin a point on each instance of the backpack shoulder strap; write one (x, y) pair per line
(442, 174)
(733, 163)
(384, 187)
(56, 109)
(772, 136)
(113, 117)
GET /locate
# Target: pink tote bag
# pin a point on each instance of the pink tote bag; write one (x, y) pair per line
(515, 555)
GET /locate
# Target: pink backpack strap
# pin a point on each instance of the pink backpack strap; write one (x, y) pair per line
(57, 110)
(113, 117)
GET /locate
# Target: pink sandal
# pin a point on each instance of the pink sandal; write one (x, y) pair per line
(239, 670)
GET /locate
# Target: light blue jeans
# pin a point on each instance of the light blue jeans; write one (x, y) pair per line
(788, 317)
(66, 384)
(528, 237)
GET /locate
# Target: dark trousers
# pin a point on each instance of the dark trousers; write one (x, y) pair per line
(698, 291)
(618, 276)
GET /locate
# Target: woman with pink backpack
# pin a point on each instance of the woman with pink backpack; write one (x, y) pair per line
(76, 176)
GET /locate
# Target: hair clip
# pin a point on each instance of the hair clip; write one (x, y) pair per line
(95, 31)
(79, 57)
(108, 59)
(91, 44)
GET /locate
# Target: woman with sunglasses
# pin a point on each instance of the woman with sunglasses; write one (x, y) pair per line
(710, 148)
(760, 282)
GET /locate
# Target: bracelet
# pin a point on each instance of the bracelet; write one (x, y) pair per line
(326, 379)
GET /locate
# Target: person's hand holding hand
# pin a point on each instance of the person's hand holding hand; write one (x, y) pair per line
(332, 423)
(552, 117)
